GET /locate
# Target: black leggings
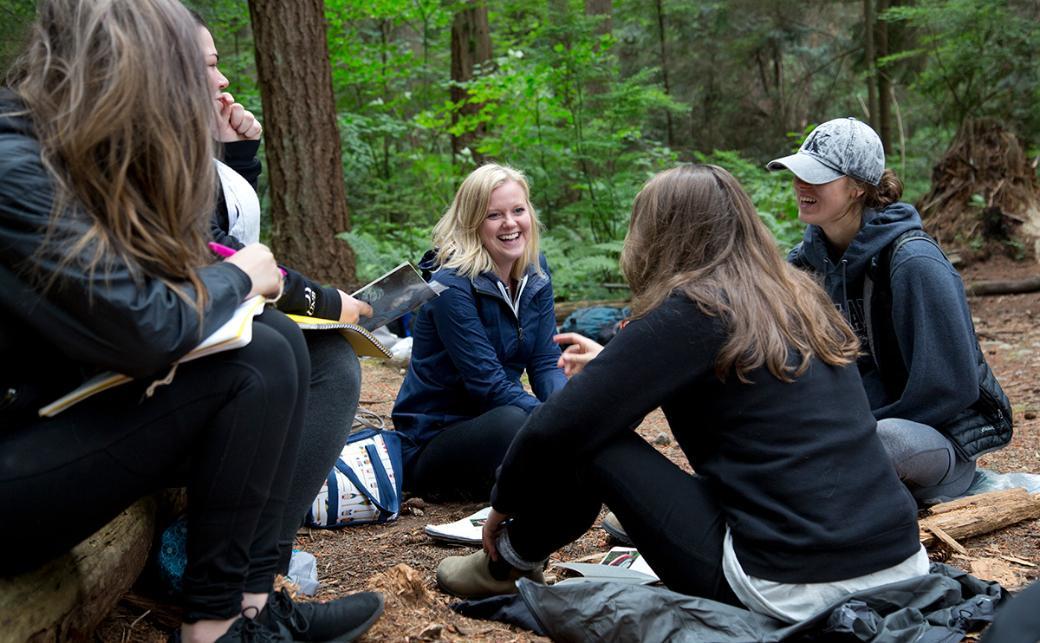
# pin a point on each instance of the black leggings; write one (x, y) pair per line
(235, 416)
(672, 516)
(460, 463)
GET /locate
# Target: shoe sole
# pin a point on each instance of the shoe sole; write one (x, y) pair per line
(615, 533)
(361, 629)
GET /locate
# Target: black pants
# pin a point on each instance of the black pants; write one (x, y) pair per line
(460, 463)
(672, 516)
(234, 416)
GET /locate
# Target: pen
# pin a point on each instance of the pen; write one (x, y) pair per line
(224, 251)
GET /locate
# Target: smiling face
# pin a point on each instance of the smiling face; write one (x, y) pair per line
(217, 82)
(506, 229)
(828, 203)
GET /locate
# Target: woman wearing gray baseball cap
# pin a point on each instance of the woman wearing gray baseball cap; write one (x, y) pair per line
(937, 402)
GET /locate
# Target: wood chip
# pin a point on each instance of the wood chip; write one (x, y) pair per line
(1018, 561)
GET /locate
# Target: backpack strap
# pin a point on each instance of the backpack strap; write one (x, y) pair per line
(881, 265)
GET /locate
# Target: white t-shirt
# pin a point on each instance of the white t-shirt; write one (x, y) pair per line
(243, 206)
(794, 602)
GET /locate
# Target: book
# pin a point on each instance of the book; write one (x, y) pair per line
(234, 333)
(364, 343)
(397, 292)
(621, 564)
(465, 531)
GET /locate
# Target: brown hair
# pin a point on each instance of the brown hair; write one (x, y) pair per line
(117, 94)
(695, 231)
(888, 190)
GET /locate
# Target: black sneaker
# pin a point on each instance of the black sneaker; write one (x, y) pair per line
(343, 619)
(246, 629)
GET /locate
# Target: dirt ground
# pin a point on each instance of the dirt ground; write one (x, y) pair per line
(399, 560)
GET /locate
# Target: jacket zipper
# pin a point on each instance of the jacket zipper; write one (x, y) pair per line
(509, 304)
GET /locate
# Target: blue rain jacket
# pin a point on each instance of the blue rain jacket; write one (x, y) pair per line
(470, 349)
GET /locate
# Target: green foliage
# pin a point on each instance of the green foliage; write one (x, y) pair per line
(15, 16)
(771, 192)
(981, 59)
(580, 268)
(585, 112)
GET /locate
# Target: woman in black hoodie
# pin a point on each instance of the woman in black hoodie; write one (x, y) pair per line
(938, 404)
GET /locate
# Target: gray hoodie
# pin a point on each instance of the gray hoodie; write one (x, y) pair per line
(930, 322)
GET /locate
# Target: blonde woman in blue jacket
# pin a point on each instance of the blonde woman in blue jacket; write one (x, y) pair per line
(462, 402)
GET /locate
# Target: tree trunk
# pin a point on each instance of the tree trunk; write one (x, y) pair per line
(870, 57)
(67, 598)
(604, 11)
(884, 82)
(470, 47)
(664, 70)
(304, 163)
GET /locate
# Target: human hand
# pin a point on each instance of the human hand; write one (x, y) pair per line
(352, 309)
(235, 122)
(258, 263)
(581, 351)
(492, 526)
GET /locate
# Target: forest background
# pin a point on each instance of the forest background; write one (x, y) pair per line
(591, 97)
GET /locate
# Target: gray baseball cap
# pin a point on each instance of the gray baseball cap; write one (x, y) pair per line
(837, 148)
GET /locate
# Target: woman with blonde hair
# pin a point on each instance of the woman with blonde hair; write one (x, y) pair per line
(462, 401)
(755, 372)
(106, 187)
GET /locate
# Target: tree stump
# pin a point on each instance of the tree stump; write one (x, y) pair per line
(68, 597)
(984, 195)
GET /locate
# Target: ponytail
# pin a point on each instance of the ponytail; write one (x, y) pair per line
(888, 190)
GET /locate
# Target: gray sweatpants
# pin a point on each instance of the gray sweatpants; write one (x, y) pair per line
(334, 392)
(925, 460)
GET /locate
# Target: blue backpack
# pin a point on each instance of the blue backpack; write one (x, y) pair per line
(598, 322)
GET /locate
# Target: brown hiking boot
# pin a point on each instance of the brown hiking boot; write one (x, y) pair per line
(471, 576)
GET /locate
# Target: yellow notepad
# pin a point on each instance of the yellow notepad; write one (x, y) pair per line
(364, 343)
(234, 333)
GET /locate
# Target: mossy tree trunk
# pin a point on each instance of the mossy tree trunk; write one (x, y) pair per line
(304, 161)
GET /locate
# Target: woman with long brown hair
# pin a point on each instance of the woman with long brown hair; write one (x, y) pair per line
(106, 187)
(755, 372)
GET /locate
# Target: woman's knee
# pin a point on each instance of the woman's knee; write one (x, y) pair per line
(334, 363)
(506, 422)
(272, 365)
(290, 333)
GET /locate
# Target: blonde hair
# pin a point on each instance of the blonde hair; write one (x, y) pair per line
(695, 231)
(456, 237)
(117, 94)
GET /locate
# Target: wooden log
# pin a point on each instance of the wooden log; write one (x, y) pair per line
(980, 288)
(977, 515)
(67, 598)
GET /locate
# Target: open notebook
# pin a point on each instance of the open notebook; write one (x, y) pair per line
(234, 333)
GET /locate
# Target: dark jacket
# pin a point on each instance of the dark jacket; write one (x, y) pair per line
(796, 467)
(921, 359)
(301, 295)
(115, 319)
(469, 350)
